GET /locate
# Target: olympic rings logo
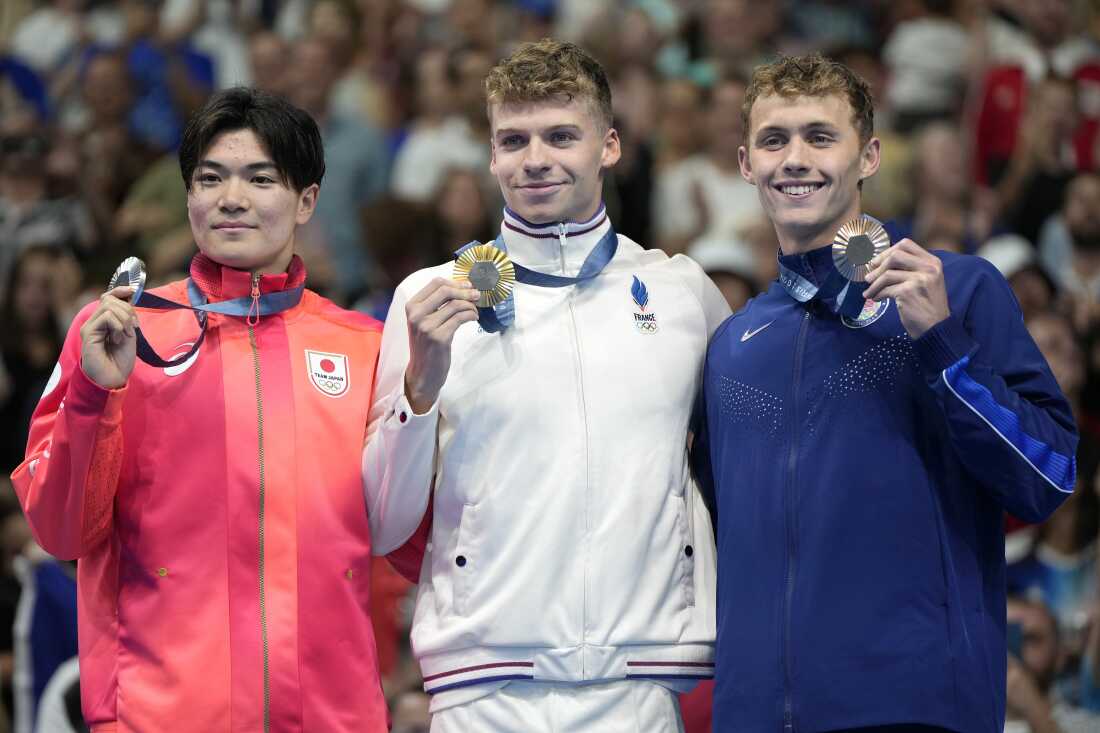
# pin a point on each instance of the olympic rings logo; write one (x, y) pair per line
(646, 326)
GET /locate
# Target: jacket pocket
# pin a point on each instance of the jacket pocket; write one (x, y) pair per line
(465, 561)
(686, 522)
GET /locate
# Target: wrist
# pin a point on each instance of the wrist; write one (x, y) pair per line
(419, 400)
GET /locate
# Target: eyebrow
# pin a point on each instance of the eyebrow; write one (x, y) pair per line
(549, 128)
(259, 165)
(808, 127)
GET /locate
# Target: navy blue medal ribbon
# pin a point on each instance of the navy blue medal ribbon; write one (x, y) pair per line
(502, 315)
(247, 306)
(843, 296)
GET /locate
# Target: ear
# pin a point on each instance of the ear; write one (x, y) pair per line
(745, 164)
(307, 203)
(870, 158)
(611, 149)
(492, 155)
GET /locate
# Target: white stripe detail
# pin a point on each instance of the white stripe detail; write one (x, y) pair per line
(943, 375)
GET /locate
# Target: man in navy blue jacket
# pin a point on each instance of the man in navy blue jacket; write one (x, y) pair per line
(861, 464)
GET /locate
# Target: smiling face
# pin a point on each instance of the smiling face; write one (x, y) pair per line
(242, 213)
(549, 158)
(805, 157)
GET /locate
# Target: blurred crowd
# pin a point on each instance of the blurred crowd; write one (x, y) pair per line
(989, 113)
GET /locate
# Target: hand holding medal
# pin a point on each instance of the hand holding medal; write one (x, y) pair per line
(433, 316)
(108, 338)
(913, 277)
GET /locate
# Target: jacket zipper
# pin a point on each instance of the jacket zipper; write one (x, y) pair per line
(792, 525)
(253, 319)
(584, 420)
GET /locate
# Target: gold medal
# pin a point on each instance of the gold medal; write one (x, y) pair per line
(856, 244)
(489, 270)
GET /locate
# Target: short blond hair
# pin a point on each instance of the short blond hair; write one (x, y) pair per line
(812, 76)
(550, 70)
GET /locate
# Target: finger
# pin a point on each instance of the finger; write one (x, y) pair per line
(124, 312)
(437, 298)
(109, 327)
(886, 280)
(432, 291)
(905, 248)
(432, 321)
(121, 292)
(899, 260)
(448, 328)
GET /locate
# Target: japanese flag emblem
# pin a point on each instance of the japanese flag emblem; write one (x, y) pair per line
(328, 372)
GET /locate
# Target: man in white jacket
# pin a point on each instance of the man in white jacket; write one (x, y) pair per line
(568, 583)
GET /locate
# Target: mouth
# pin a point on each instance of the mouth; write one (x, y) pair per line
(540, 188)
(798, 190)
(233, 226)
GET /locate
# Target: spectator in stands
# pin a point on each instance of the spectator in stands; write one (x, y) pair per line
(356, 173)
(944, 199)
(1070, 247)
(440, 136)
(30, 343)
(704, 195)
(269, 58)
(1061, 564)
(1033, 702)
(27, 214)
(1043, 162)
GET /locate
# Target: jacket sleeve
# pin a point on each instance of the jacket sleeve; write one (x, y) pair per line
(67, 482)
(399, 456)
(1008, 421)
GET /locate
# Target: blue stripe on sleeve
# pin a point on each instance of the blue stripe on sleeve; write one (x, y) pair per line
(1059, 471)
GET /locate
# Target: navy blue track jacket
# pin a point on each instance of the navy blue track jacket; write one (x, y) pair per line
(860, 478)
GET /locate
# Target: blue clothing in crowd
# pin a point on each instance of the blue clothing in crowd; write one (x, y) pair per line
(860, 479)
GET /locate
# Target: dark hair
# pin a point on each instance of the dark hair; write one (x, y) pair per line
(289, 135)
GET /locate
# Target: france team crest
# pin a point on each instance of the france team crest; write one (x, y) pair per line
(328, 372)
(872, 311)
(644, 321)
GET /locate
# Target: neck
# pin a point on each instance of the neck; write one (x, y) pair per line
(799, 240)
(278, 265)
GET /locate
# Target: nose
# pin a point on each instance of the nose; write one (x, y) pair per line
(536, 159)
(234, 197)
(797, 159)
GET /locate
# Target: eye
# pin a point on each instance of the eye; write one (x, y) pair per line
(773, 142)
(263, 180)
(562, 138)
(208, 178)
(511, 141)
(820, 138)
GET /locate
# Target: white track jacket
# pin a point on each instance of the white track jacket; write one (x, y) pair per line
(568, 541)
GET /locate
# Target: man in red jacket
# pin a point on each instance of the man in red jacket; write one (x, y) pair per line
(215, 499)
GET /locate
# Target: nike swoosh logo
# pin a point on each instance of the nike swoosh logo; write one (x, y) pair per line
(749, 334)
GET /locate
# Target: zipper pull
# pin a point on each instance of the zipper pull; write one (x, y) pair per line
(561, 234)
(254, 310)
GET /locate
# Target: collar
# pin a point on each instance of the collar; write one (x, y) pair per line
(220, 282)
(542, 246)
(814, 265)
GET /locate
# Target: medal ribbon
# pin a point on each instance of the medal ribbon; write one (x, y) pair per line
(843, 296)
(267, 304)
(503, 314)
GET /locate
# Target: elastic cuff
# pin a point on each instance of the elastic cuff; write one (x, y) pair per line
(404, 414)
(943, 345)
(87, 397)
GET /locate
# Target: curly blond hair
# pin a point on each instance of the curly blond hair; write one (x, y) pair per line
(550, 70)
(812, 76)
